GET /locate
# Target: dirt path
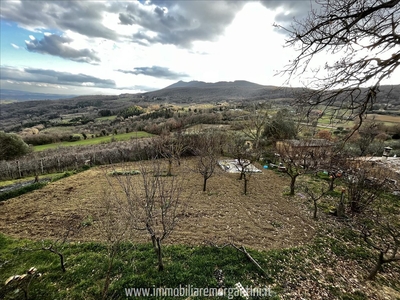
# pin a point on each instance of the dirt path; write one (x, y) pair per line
(263, 219)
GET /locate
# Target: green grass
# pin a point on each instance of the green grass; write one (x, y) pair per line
(96, 140)
(52, 176)
(134, 266)
(59, 129)
(34, 186)
(109, 118)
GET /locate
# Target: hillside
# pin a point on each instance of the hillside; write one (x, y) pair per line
(194, 92)
(199, 91)
(14, 95)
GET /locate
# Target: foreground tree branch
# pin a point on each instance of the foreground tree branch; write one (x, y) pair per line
(240, 249)
(365, 34)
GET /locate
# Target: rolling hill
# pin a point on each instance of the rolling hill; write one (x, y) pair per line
(15, 95)
(199, 91)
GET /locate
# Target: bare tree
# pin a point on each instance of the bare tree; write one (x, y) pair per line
(206, 148)
(171, 147)
(181, 145)
(72, 225)
(112, 225)
(166, 149)
(299, 157)
(315, 195)
(335, 164)
(388, 249)
(245, 155)
(365, 34)
(365, 182)
(153, 202)
(380, 229)
(254, 124)
(367, 133)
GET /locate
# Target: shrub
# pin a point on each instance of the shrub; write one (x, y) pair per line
(12, 146)
(131, 111)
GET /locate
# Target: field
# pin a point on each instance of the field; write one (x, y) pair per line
(387, 119)
(263, 219)
(301, 257)
(326, 122)
(95, 141)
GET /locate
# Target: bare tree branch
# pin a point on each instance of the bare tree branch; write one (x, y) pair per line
(365, 34)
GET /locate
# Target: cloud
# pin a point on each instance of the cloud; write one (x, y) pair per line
(84, 17)
(179, 22)
(149, 22)
(288, 11)
(183, 22)
(14, 46)
(54, 77)
(57, 45)
(155, 71)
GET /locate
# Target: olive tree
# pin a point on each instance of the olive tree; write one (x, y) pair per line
(12, 146)
(280, 126)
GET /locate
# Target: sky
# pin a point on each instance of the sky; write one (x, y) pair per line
(113, 47)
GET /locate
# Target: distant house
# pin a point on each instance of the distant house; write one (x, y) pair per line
(318, 148)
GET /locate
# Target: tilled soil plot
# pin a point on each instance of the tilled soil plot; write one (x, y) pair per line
(262, 219)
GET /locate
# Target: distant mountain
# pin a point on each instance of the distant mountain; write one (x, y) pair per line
(184, 84)
(210, 85)
(241, 90)
(199, 91)
(15, 95)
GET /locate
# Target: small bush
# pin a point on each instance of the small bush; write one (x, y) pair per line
(124, 173)
(21, 191)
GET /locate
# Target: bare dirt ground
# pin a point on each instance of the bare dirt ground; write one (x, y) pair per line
(262, 219)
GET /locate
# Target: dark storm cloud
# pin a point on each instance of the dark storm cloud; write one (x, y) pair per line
(167, 22)
(180, 22)
(57, 45)
(155, 71)
(54, 77)
(84, 17)
(292, 10)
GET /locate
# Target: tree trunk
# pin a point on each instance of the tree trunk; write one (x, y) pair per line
(340, 210)
(315, 209)
(245, 184)
(331, 186)
(377, 267)
(204, 183)
(60, 255)
(169, 173)
(108, 275)
(159, 255)
(292, 185)
(153, 240)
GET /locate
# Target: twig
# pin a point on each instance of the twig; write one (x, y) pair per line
(240, 249)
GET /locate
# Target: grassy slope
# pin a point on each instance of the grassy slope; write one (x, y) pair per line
(95, 141)
(333, 266)
(326, 269)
